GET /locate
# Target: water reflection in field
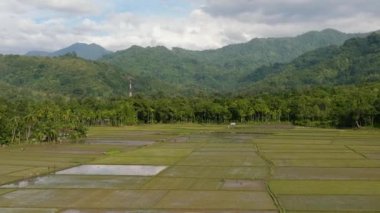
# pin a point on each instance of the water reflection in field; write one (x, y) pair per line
(134, 170)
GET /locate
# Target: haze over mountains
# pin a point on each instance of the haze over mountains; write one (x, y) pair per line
(260, 65)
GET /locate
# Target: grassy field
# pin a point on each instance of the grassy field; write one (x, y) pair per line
(210, 168)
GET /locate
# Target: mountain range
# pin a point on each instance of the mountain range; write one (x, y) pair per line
(325, 58)
(219, 70)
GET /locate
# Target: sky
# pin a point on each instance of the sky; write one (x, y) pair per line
(192, 24)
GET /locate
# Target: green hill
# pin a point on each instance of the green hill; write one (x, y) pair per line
(262, 51)
(216, 71)
(69, 76)
(355, 62)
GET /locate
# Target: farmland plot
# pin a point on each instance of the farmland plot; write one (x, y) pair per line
(211, 168)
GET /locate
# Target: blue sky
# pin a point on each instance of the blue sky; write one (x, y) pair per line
(193, 24)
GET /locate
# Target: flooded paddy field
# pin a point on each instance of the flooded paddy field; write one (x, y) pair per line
(196, 168)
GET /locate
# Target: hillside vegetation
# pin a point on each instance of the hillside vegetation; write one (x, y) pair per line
(160, 72)
(215, 71)
(355, 62)
(254, 66)
(67, 75)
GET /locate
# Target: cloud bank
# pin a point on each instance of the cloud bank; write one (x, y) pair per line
(197, 24)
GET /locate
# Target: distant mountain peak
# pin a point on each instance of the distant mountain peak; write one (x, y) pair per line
(87, 51)
(80, 44)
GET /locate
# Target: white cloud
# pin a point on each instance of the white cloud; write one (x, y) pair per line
(65, 6)
(50, 25)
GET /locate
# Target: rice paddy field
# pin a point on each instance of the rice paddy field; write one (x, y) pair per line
(196, 168)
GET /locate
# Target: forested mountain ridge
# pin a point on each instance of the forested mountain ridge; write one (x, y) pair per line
(260, 51)
(355, 62)
(158, 71)
(217, 71)
(85, 51)
(66, 75)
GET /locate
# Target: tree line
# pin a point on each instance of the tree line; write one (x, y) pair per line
(32, 121)
(60, 119)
